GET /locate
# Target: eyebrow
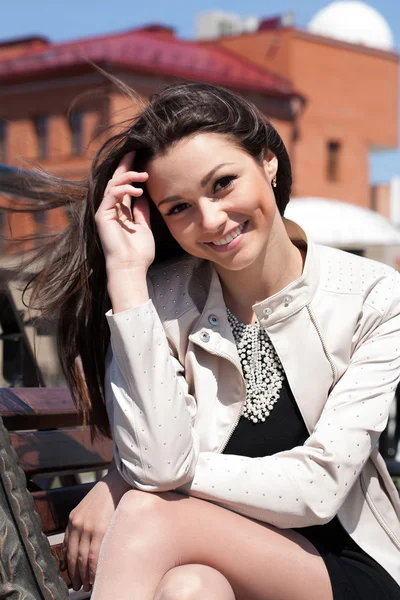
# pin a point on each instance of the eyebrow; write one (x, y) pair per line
(203, 183)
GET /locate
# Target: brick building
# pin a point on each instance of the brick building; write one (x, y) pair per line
(53, 101)
(52, 104)
(351, 107)
(332, 101)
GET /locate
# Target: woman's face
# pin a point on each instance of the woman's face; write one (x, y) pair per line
(216, 200)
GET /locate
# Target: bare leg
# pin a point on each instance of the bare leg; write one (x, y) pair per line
(153, 533)
(194, 582)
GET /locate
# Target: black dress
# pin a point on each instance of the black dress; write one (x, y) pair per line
(354, 574)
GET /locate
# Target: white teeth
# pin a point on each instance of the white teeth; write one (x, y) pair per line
(231, 236)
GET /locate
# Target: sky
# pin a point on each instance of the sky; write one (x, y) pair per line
(66, 20)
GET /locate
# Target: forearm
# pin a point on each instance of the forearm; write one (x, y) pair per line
(127, 288)
(287, 490)
(152, 408)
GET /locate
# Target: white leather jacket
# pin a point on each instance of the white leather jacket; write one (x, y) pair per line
(175, 390)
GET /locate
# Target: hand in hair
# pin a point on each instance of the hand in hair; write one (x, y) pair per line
(125, 232)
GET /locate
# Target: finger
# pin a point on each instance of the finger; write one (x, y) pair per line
(93, 559)
(119, 191)
(141, 212)
(75, 578)
(124, 214)
(116, 194)
(83, 562)
(72, 559)
(126, 206)
(125, 163)
(63, 558)
(128, 177)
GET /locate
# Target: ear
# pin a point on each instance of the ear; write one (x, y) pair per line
(270, 164)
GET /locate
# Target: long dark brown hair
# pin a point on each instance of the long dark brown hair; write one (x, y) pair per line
(71, 280)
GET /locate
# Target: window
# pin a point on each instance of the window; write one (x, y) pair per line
(39, 218)
(41, 126)
(75, 123)
(227, 27)
(3, 140)
(332, 171)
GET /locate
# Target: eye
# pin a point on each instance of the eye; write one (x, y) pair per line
(224, 182)
(177, 208)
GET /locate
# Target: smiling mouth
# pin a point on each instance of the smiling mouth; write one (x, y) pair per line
(230, 241)
(231, 236)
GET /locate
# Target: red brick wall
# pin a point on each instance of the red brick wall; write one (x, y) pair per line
(352, 98)
(102, 105)
(54, 99)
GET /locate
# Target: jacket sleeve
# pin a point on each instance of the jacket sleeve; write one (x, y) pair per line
(307, 485)
(148, 402)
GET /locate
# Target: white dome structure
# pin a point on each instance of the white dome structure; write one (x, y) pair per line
(354, 22)
(341, 224)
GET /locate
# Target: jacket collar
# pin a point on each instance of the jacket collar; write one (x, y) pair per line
(212, 330)
(295, 296)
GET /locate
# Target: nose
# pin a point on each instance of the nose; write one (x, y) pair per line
(212, 217)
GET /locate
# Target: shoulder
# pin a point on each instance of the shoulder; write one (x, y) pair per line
(178, 285)
(345, 273)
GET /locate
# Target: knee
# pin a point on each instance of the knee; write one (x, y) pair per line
(181, 584)
(194, 582)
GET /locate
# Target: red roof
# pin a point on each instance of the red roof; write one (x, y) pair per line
(24, 41)
(143, 50)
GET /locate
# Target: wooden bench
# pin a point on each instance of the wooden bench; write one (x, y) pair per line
(52, 446)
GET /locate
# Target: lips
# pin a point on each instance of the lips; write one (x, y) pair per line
(230, 236)
(236, 235)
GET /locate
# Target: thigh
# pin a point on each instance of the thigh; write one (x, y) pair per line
(260, 561)
(194, 582)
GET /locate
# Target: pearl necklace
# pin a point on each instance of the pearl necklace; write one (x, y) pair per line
(262, 369)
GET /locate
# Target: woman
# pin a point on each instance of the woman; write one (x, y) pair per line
(247, 379)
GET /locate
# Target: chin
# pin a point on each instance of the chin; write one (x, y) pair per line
(238, 263)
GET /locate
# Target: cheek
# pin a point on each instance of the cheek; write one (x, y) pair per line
(266, 199)
(255, 193)
(260, 202)
(181, 231)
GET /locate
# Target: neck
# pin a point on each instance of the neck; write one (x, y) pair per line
(281, 263)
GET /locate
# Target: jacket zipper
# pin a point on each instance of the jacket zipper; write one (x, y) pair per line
(228, 437)
(377, 514)
(227, 357)
(332, 364)
(237, 419)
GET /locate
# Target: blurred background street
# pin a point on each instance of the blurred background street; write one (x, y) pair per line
(325, 73)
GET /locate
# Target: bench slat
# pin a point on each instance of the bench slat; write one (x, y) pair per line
(54, 506)
(37, 408)
(60, 451)
(57, 553)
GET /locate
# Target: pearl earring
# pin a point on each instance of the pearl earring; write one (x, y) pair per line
(274, 181)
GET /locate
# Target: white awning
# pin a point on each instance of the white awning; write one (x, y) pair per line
(341, 224)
